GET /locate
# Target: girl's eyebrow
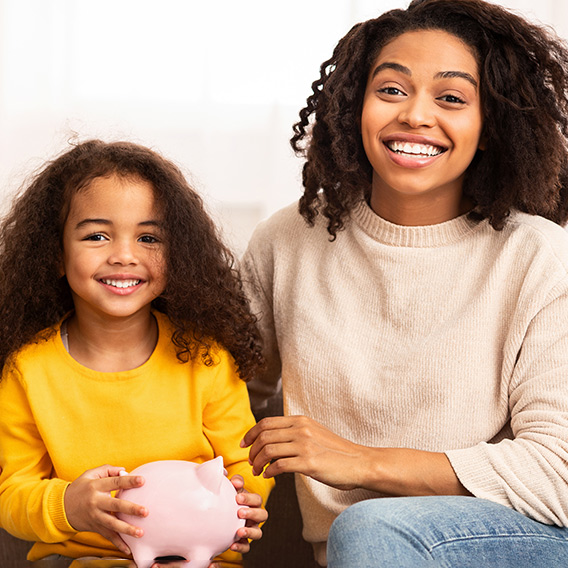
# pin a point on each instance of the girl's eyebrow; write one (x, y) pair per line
(149, 223)
(441, 75)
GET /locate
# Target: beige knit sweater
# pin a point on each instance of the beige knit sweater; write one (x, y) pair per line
(450, 337)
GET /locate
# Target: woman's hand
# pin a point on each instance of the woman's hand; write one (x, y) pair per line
(302, 445)
(253, 513)
(89, 505)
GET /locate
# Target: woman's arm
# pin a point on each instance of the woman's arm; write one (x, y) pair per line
(299, 444)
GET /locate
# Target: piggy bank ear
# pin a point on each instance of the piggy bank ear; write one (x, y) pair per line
(211, 475)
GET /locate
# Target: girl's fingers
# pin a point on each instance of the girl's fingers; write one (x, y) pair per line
(108, 484)
(250, 533)
(255, 515)
(116, 540)
(238, 483)
(123, 506)
(249, 499)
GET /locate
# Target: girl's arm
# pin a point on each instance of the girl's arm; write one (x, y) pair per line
(226, 418)
(36, 506)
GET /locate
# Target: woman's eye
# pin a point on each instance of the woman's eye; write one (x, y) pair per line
(391, 91)
(452, 99)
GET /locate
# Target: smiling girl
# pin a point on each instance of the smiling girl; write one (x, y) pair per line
(419, 319)
(125, 336)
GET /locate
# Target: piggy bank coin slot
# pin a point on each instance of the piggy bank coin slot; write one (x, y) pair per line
(162, 559)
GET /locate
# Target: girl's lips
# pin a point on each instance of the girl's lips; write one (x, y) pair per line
(121, 286)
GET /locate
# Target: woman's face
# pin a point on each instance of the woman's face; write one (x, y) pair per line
(421, 126)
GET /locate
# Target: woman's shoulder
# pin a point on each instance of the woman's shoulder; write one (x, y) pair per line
(287, 229)
(538, 236)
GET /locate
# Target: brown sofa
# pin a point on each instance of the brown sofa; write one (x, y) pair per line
(282, 545)
(13, 551)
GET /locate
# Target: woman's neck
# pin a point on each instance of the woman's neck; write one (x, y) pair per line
(419, 210)
(113, 345)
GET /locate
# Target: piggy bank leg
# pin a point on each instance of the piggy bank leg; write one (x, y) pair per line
(144, 557)
(199, 559)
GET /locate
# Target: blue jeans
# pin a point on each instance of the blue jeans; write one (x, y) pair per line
(464, 532)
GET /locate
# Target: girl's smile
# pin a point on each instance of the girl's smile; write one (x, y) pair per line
(121, 284)
(113, 248)
(421, 126)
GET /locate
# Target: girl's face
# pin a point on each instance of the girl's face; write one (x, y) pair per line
(421, 125)
(113, 249)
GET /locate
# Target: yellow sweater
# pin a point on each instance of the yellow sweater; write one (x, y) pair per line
(58, 419)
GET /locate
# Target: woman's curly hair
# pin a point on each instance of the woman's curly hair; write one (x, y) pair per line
(203, 298)
(524, 92)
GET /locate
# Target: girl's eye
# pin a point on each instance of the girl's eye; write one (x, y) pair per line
(149, 239)
(95, 237)
(452, 99)
(391, 91)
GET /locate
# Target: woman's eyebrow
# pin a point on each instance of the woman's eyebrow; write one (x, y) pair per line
(395, 66)
(440, 75)
(459, 74)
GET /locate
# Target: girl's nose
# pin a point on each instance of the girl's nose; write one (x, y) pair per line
(122, 253)
(418, 111)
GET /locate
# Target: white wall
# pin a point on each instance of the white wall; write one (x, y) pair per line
(216, 85)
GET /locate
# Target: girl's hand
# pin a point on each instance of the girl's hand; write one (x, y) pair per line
(302, 445)
(252, 512)
(89, 505)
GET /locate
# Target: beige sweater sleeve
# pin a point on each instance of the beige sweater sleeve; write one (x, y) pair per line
(529, 472)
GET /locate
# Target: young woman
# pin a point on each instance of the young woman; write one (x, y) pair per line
(419, 319)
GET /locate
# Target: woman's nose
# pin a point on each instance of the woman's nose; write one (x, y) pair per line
(418, 111)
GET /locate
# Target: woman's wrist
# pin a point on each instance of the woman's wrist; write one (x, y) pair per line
(406, 472)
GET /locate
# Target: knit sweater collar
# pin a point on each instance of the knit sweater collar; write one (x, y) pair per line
(403, 236)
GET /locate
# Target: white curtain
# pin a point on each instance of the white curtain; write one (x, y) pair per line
(215, 86)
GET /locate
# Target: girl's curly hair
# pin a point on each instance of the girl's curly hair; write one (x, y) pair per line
(203, 298)
(524, 92)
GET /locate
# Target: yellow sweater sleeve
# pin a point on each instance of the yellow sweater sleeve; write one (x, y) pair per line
(226, 418)
(31, 504)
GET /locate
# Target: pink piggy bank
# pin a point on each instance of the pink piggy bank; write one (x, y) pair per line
(192, 512)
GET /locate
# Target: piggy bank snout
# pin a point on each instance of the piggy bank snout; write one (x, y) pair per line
(192, 512)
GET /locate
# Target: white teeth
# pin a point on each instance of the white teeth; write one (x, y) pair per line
(415, 149)
(120, 283)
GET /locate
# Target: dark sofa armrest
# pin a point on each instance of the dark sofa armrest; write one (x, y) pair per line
(13, 551)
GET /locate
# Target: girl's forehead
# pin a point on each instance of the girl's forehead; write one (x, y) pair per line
(110, 192)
